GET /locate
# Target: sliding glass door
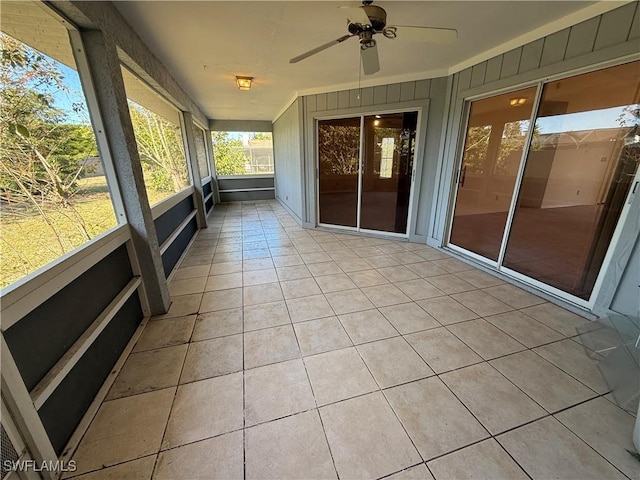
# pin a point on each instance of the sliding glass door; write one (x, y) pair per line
(581, 163)
(339, 163)
(566, 191)
(496, 134)
(365, 173)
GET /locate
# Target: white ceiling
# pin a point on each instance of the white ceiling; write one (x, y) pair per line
(205, 44)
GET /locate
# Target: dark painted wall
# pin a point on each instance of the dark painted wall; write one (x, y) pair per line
(171, 256)
(246, 188)
(172, 218)
(64, 409)
(43, 336)
(244, 183)
(206, 189)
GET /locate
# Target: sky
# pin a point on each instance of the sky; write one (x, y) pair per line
(65, 100)
(572, 122)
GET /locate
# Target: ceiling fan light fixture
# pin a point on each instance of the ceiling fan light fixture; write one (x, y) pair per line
(243, 82)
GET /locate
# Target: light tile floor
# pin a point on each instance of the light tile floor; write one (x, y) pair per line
(292, 353)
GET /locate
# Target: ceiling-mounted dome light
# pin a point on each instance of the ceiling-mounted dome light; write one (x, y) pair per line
(244, 83)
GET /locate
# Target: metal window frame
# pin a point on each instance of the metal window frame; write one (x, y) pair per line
(498, 266)
(418, 144)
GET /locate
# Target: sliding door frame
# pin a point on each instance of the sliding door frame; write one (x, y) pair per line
(498, 266)
(520, 175)
(360, 162)
(464, 126)
(362, 115)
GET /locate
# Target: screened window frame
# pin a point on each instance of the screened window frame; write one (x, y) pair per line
(242, 175)
(199, 128)
(89, 247)
(181, 125)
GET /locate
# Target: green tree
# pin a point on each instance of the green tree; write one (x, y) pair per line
(475, 148)
(261, 136)
(228, 154)
(509, 150)
(161, 150)
(339, 149)
(41, 153)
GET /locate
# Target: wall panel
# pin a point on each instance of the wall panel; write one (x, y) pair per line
(66, 406)
(44, 335)
(170, 220)
(614, 26)
(287, 152)
(531, 55)
(554, 48)
(510, 63)
(407, 91)
(393, 93)
(478, 73)
(494, 67)
(422, 89)
(173, 253)
(582, 38)
(206, 189)
(379, 94)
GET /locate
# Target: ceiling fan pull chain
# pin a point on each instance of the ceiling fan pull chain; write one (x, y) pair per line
(359, 77)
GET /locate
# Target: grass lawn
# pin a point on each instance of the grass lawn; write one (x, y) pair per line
(28, 242)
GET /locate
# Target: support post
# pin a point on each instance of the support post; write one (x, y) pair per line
(212, 168)
(109, 88)
(192, 157)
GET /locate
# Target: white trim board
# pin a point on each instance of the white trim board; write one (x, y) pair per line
(61, 369)
(176, 233)
(168, 203)
(76, 437)
(37, 287)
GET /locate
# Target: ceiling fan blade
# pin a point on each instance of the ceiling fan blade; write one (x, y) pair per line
(370, 60)
(356, 15)
(426, 34)
(320, 48)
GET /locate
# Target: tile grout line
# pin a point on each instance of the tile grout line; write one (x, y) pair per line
(173, 401)
(381, 390)
(317, 408)
(244, 393)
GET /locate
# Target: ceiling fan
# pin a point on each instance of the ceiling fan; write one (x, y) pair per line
(369, 20)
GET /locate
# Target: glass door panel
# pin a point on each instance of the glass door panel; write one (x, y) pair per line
(496, 134)
(338, 154)
(389, 143)
(579, 169)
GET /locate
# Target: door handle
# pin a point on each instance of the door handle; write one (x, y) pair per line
(634, 191)
(463, 174)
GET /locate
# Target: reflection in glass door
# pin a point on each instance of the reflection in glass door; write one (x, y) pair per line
(339, 158)
(368, 190)
(387, 164)
(551, 218)
(496, 134)
(582, 161)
